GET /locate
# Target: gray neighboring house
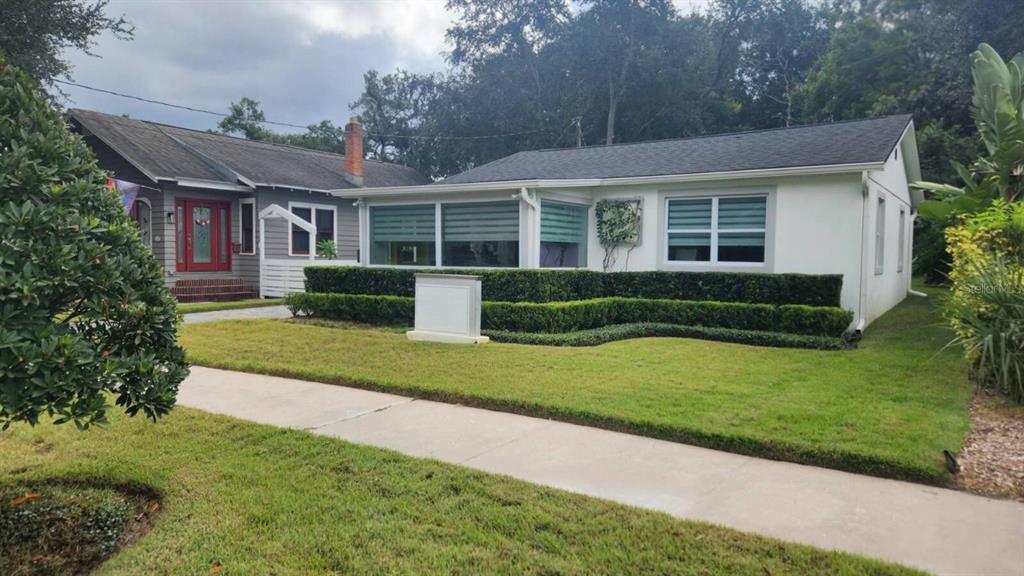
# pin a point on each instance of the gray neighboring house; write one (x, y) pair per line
(207, 200)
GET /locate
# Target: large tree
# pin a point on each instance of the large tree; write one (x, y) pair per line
(35, 35)
(84, 313)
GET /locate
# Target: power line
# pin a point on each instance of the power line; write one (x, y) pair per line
(286, 124)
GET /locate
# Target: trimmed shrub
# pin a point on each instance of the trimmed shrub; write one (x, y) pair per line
(647, 330)
(569, 285)
(381, 310)
(561, 317)
(556, 317)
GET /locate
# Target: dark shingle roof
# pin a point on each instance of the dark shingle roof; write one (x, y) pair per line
(164, 151)
(817, 145)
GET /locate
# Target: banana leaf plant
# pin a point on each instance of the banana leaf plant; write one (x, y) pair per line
(998, 110)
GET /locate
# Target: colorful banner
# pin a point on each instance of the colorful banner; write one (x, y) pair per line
(128, 191)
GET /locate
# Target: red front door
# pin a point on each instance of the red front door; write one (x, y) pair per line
(203, 235)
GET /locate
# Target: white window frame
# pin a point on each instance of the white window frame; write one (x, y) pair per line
(149, 205)
(437, 234)
(880, 235)
(312, 241)
(902, 256)
(713, 231)
(255, 223)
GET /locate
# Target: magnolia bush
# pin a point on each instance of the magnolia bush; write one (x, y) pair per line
(986, 304)
(84, 314)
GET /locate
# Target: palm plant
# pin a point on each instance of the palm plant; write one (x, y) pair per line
(990, 324)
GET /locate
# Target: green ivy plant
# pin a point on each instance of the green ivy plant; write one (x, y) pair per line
(618, 224)
(84, 314)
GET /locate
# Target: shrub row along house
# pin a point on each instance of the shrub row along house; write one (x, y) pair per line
(821, 199)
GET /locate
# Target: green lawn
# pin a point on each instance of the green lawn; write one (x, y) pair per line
(230, 305)
(888, 408)
(255, 499)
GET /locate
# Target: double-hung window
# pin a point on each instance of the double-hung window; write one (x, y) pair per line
(403, 235)
(323, 216)
(247, 229)
(563, 235)
(480, 234)
(727, 229)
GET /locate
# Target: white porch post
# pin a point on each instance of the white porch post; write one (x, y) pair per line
(263, 252)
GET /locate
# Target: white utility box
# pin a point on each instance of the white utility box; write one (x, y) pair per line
(447, 309)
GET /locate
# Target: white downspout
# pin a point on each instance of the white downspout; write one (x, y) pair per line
(862, 294)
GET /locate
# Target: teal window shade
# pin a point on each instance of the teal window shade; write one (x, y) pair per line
(689, 214)
(563, 235)
(484, 234)
(741, 213)
(562, 223)
(403, 235)
(481, 222)
(402, 223)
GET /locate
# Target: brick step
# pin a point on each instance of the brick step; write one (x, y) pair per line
(202, 282)
(192, 290)
(219, 297)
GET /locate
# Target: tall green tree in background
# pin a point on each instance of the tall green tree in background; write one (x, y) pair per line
(537, 73)
(35, 35)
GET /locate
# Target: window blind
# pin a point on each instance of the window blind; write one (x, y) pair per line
(563, 223)
(402, 223)
(480, 222)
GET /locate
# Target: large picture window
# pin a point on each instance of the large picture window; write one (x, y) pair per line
(322, 215)
(563, 235)
(481, 234)
(717, 230)
(403, 235)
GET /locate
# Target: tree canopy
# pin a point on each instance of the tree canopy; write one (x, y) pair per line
(35, 34)
(530, 71)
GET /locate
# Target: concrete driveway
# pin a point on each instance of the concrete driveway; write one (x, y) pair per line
(939, 530)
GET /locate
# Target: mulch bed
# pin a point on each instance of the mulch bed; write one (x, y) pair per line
(992, 461)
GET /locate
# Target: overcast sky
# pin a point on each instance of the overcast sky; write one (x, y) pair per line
(303, 60)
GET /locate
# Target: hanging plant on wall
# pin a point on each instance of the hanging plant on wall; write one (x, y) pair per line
(618, 224)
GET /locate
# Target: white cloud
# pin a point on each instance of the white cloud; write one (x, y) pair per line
(414, 27)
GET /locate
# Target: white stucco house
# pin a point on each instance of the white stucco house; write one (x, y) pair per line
(821, 199)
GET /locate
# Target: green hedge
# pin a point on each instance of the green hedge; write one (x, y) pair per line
(568, 285)
(648, 330)
(560, 317)
(379, 310)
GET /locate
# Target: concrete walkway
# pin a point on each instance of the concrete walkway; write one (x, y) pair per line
(274, 312)
(943, 531)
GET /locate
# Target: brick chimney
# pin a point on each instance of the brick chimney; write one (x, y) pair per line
(354, 152)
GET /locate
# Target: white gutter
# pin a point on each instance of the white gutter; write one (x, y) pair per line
(530, 199)
(210, 184)
(441, 187)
